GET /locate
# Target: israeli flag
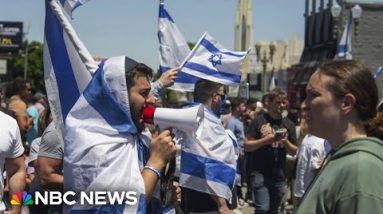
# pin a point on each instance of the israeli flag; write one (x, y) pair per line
(208, 158)
(67, 63)
(100, 123)
(71, 5)
(378, 72)
(210, 60)
(173, 50)
(345, 47)
(94, 116)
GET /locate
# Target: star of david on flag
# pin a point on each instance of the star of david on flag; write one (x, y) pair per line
(215, 59)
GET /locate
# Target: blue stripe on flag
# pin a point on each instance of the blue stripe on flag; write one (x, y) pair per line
(214, 73)
(164, 14)
(99, 96)
(163, 69)
(206, 168)
(143, 152)
(66, 81)
(181, 76)
(209, 46)
(156, 206)
(142, 204)
(342, 49)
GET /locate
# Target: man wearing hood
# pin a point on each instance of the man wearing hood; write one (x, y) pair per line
(106, 145)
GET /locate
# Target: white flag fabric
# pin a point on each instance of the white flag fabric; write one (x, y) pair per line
(93, 114)
(345, 46)
(173, 50)
(378, 72)
(71, 5)
(100, 123)
(210, 60)
(208, 158)
(67, 63)
(272, 84)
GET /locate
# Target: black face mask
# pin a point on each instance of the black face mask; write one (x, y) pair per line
(223, 105)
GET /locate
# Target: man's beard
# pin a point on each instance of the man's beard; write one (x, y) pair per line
(139, 125)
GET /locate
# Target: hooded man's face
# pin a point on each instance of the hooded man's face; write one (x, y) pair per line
(139, 95)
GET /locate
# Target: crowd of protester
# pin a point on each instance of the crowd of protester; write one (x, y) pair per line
(279, 155)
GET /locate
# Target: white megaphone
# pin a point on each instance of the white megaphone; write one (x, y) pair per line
(186, 119)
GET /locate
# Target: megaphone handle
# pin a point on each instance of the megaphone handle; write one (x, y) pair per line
(167, 179)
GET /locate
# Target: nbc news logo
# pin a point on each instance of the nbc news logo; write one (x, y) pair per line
(22, 198)
(68, 198)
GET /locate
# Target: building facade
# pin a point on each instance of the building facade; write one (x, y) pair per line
(322, 34)
(243, 38)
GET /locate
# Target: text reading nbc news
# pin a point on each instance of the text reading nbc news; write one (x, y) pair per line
(85, 198)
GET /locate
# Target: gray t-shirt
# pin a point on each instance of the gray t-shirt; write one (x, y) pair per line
(51, 146)
(236, 126)
(34, 150)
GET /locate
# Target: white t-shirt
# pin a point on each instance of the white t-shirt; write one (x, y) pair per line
(312, 150)
(10, 146)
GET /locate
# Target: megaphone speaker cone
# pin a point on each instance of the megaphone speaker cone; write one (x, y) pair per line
(148, 114)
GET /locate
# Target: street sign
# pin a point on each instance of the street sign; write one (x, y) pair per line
(11, 34)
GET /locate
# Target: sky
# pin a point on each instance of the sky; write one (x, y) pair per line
(129, 27)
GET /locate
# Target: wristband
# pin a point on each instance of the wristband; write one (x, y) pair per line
(158, 173)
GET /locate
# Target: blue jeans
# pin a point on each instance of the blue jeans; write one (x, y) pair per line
(267, 193)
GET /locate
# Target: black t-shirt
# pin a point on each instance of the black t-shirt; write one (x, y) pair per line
(194, 201)
(269, 161)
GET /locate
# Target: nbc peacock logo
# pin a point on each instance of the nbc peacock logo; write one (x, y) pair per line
(22, 198)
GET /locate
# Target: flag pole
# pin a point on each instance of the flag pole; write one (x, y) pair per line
(193, 50)
(84, 54)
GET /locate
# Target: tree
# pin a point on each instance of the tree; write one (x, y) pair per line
(191, 45)
(35, 72)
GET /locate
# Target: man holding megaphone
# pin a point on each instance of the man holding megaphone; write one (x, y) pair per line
(106, 144)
